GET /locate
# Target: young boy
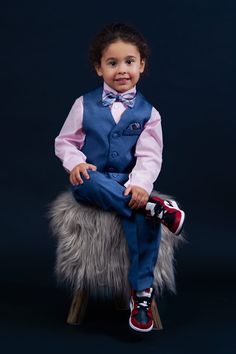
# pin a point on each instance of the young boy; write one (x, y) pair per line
(111, 145)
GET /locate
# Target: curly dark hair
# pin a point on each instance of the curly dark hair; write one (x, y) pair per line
(112, 33)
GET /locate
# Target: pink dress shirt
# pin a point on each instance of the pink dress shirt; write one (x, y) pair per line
(148, 147)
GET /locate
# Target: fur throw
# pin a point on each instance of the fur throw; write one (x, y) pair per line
(91, 253)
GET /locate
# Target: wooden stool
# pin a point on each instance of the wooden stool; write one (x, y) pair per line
(79, 305)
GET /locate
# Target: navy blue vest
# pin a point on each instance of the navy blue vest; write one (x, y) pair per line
(108, 145)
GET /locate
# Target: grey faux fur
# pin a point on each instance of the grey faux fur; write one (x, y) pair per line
(91, 250)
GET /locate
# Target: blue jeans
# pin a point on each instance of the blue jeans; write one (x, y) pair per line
(106, 191)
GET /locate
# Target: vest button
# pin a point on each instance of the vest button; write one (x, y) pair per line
(114, 154)
(115, 135)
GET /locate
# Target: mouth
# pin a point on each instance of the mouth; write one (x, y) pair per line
(122, 80)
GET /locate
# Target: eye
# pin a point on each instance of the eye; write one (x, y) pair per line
(112, 63)
(130, 61)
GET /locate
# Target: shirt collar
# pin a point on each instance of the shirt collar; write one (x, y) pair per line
(107, 89)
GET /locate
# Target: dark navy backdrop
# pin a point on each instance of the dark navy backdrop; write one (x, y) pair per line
(44, 68)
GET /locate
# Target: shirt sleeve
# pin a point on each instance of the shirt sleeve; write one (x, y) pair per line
(71, 138)
(149, 154)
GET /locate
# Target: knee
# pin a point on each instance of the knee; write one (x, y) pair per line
(95, 178)
(88, 185)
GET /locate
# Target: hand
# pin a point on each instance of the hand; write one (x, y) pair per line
(139, 197)
(75, 177)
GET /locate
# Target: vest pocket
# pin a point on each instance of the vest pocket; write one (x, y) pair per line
(134, 128)
(132, 132)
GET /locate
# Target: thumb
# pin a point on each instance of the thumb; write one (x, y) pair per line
(127, 191)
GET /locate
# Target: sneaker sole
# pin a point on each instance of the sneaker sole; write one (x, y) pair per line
(139, 329)
(136, 328)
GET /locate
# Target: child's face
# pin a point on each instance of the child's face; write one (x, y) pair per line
(121, 65)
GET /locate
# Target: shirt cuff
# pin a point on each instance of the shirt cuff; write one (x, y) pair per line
(71, 163)
(147, 185)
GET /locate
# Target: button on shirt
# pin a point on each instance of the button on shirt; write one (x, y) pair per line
(148, 149)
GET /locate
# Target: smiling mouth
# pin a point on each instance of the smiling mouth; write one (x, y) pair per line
(122, 79)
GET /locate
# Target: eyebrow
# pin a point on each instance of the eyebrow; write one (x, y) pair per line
(128, 57)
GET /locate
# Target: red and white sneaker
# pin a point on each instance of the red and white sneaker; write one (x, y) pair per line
(141, 319)
(167, 212)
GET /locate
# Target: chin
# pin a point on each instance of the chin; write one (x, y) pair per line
(123, 88)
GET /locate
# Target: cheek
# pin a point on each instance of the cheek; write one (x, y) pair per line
(136, 70)
(135, 73)
(109, 73)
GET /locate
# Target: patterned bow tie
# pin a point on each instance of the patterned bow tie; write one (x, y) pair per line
(127, 98)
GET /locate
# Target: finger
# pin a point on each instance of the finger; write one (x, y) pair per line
(85, 173)
(92, 167)
(137, 203)
(127, 191)
(132, 204)
(143, 202)
(142, 205)
(133, 200)
(73, 180)
(77, 178)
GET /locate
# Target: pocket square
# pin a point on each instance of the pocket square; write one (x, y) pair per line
(134, 126)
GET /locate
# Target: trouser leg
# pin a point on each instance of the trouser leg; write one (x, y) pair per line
(143, 236)
(102, 191)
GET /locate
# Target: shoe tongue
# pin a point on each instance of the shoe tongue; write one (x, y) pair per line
(150, 207)
(147, 293)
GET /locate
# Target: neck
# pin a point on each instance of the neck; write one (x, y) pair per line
(107, 88)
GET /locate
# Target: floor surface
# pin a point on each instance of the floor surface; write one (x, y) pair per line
(200, 319)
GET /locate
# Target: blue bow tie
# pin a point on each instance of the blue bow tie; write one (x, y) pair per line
(127, 98)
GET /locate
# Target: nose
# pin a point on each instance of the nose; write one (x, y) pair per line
(121, 68)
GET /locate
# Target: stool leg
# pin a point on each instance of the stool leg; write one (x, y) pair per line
(156, 316)
(77, 308)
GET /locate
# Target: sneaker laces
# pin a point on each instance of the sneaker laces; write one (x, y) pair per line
(161, 211)
(143, 302)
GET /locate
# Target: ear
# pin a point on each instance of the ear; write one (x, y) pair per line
(98, 70)
(142, 65)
